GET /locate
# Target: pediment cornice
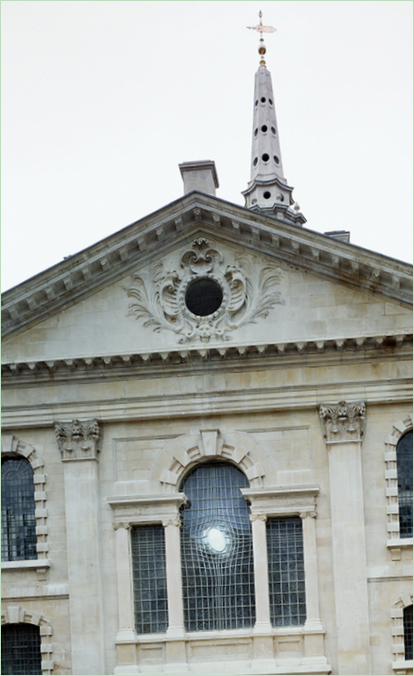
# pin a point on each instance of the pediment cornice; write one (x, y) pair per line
(88, 271)
(292, 353)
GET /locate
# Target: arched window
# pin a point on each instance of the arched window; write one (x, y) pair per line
(408, 632)
(18, 523)
(405, 484)
(216, 550)
(20, 649)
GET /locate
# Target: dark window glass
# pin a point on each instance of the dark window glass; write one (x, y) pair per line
(408, 632)
(18, 523)
(216, 550)
(286, 571)
(149, 579)
(20, 649)
(405, 484)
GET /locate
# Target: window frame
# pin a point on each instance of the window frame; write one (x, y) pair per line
(395, 543)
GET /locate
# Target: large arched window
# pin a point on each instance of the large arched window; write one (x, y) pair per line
(408, 632)
(216, 550)
(20, 649)
(18, 522)
(405, 484)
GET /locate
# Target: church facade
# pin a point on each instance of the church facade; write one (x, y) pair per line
(207, 444)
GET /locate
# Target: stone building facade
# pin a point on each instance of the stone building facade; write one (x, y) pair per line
(209, 414)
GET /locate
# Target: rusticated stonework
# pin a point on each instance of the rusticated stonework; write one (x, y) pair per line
(249, 291)
(78, 440)
(343, 422)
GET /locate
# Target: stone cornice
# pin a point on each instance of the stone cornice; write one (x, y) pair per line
(222, 402)
(121, 365)
(111, 259)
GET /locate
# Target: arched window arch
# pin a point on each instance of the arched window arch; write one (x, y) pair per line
(18, 522)
(405, 484)
(216, 550)
(20, 649)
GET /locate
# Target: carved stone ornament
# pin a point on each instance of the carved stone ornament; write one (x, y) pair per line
(343, 422)
(248, 291)
(78, 440)
(257, 517)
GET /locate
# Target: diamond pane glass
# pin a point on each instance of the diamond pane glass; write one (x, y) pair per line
(216, 550)
(20, 649)
(405, 484)
(149, 579)
(286, 571)
(18, 523)
(408, 632)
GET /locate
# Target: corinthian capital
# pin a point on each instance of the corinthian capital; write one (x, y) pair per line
(343, 421)
(78, 440)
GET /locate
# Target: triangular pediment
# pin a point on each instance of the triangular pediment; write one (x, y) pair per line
(174, 228)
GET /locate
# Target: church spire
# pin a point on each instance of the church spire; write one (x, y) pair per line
(268, 190)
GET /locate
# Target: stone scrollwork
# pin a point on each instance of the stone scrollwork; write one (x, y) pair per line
(248, 291)
(79, 440)
(344, 421)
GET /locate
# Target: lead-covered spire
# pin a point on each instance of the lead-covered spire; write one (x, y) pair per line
(268, 189)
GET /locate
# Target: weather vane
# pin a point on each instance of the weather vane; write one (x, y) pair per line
(262, 29)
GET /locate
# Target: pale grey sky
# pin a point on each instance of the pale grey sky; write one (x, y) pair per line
(102, 99)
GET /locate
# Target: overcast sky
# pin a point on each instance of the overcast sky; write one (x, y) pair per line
(102, 99)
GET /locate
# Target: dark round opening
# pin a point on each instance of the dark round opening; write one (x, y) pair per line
(273, 130)
(263, 99)
(203, 297)
(255, 132)
(271, 102)
(266, 195)
(257, 103)
(276, 159)
(255, 161)
(263, 128)
(265, 157)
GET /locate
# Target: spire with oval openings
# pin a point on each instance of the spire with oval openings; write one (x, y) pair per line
(268, 190)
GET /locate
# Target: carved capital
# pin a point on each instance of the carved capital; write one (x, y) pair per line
(127, 526)
(310, 513)
(79, 440)
(343, 422)
(258, 517)
(175, 521)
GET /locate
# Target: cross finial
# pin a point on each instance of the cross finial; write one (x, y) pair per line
(262, 29)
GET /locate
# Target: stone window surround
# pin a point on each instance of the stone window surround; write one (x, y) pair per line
(129, 511)
(399, 664)
(12, 446)
(14, 614)
(394, 542)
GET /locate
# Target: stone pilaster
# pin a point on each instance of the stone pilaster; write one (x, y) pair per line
(343, 425)
(126, 631)
(174, 580)
(79, 446)
(261, 572)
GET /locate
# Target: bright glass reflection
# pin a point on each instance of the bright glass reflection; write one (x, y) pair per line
(216, 539)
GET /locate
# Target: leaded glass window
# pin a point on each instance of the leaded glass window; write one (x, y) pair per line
(149, 579)
(20, 649)
(18, 523)
(216, 550)
(408, 632)
(286, 571)
(405, 484)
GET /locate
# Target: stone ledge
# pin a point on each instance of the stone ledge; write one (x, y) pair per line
(33, 563)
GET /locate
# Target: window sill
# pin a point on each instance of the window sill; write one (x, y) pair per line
(401, 543)
(19, 565)
(403, 667)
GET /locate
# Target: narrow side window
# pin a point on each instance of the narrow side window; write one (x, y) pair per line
(149, 579)
(18, 522)
(286, 571)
